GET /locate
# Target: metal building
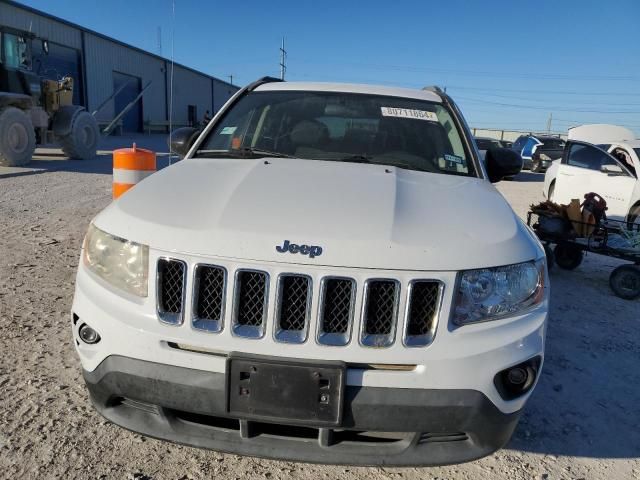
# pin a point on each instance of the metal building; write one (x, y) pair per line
(102, 66)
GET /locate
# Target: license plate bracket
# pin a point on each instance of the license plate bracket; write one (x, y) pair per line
(296, 392)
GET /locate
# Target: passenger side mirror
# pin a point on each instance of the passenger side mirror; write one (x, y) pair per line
(181, 140)
(502, 162)
(612, 169)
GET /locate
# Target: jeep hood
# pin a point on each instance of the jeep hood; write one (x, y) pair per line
(361, 215)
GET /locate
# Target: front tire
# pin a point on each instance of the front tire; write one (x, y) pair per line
(82, 141)
(552, 189)
(17, 138)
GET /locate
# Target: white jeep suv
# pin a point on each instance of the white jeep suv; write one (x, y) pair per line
(327, 276)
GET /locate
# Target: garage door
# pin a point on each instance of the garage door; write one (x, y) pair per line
(132, 121)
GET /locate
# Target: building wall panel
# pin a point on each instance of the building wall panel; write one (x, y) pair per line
(189, 88)
(103, 57)
(42, 27)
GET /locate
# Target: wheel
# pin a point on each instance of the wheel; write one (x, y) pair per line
(567, 256)
(633, 219)
(552, 190)
(82, 142)
(536, 165)
(625, 281)
(550, 257)
(17, 138)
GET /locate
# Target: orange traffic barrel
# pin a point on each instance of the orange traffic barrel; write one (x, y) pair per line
(131, 165)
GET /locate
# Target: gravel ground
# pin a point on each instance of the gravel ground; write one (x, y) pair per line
(581, 423)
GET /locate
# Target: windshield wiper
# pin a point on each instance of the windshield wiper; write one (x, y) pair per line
(356, 159)
(245, 152)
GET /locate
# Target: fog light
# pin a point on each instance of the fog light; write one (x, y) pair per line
(88, 334)
(517, 376)
(515, 381)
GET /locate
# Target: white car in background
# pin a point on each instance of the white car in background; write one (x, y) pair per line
(610, 170)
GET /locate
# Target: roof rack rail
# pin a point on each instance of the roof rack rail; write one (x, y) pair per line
(434, 88)
(261, 81)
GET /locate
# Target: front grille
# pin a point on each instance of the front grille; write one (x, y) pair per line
(250, 303)
(422, 310)
(170, 290)
(249, 315)
(293, 308)
(336, 311)
(209, 298)
(380, 311)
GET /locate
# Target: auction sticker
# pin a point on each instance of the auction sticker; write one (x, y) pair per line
(453, 158)
(228, 130)
(409, 113)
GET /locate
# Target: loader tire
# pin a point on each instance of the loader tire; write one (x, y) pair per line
(82, 142)
(17, 138)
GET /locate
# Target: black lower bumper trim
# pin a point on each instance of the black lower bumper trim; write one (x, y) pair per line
(380, 426)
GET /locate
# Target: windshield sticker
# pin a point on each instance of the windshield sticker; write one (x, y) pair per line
(409, 113)
(453, 158)
(228, 130)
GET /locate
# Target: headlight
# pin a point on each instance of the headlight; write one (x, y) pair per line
(122, 263)
(492, 293)
(545, 157)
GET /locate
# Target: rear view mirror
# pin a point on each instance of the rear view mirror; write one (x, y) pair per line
(502, 162)
(612, 169)
(181, 140)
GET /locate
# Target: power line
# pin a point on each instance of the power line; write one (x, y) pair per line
(413, 68)
(548, 100)
(533, 107)
(547, 92)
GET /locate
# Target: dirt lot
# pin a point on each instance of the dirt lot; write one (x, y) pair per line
(583, 421)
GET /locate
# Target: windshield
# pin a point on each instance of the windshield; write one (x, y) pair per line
(487, 143)
(555, 143)
(407, 133)
(637, 150)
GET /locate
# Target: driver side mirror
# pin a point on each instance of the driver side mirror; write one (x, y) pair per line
(612, 169)
(502, 162)
(181, 140)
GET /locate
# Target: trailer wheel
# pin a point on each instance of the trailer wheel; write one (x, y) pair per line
(17, 138)
(625, 281)
(567, 256)
(82, 142)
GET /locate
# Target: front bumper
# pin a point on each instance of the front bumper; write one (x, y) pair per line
(380, 426)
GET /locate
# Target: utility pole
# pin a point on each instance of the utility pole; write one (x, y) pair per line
(549, 122)
(159, 40)
(283, 60)
(231, 79)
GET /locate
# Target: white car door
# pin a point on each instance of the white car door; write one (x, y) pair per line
(586, 168)
(574, 174)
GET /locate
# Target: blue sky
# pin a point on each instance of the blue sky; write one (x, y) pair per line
(508, 64)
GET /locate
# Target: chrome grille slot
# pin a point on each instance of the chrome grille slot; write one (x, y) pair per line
(422, 312)
(250, 303)
(209, 297)
(380, 311)
(170, 290)
(335, 314)
(293, 308)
